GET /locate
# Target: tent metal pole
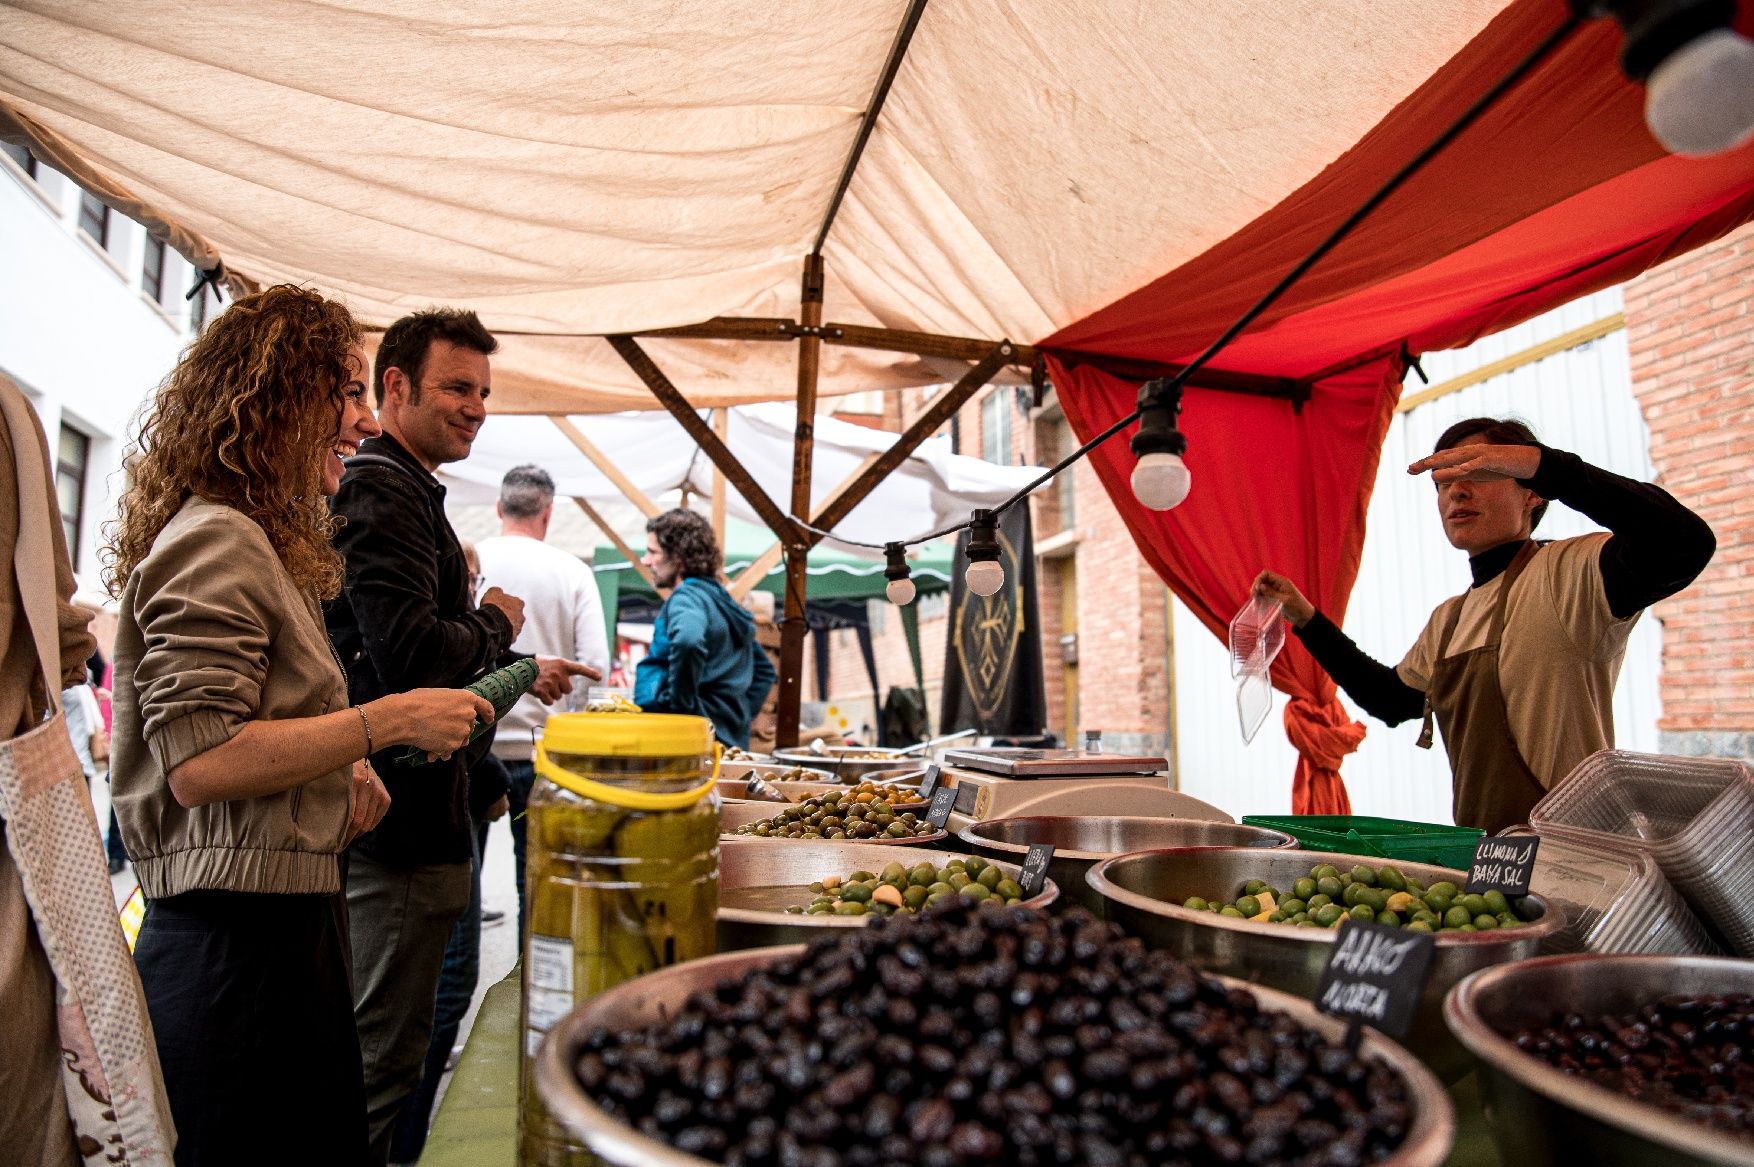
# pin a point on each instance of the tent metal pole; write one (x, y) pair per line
(793, 625)
(928, 423)
(721, 427)
(671, 399)
(628, 553)
(609, 469)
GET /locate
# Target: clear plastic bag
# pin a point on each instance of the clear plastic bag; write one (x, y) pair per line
(1257, 633)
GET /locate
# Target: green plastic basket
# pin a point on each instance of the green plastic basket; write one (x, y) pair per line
(1346, 834)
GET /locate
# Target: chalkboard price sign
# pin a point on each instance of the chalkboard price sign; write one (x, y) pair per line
(1374, 975)
(1035, 868)
(943, 801)
(929, 781)
(1503, 864)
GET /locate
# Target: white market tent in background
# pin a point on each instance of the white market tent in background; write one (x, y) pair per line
(930, 489)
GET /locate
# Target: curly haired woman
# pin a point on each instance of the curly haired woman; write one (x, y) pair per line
(238, 765)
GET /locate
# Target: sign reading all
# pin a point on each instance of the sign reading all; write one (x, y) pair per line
(1504, 865)
(1375, 975)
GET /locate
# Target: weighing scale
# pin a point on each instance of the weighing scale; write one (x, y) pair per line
(1006, 783)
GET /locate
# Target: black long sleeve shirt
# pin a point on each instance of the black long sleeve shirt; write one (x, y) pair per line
(1655, 548)
(404, 621)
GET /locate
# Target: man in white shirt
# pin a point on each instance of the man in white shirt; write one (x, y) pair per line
(563, 617)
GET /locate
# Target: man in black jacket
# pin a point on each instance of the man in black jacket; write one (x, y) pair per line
(405, 620)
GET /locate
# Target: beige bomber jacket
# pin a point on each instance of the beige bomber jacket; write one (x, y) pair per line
(214, 633)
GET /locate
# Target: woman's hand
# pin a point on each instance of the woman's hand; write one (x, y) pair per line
(1479, 462)
(1274, 586)
(370, 802)
(434, 720)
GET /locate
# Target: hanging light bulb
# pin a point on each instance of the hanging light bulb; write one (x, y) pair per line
(1698, 71)
(901, 588)
(984, 575)
(1161, 479)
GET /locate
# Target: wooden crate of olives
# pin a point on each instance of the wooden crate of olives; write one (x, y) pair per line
(773, 892)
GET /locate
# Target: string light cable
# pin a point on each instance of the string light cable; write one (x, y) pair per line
(1689, 40)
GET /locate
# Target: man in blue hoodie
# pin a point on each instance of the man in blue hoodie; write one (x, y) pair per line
(704, 657)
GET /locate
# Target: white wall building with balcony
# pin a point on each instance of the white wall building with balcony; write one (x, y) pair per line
(92, 318)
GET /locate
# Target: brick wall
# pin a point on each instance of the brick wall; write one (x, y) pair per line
(1690, 330)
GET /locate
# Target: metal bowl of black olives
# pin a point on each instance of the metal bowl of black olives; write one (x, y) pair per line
(1614, 1059)
(1147, 893)
(1081, 843)
(773, 892)
(971, 1036)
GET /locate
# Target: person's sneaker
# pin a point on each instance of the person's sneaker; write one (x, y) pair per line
(490, 917)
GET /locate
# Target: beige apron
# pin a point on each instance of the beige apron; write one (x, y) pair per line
(115, 1094)
(1494, 787)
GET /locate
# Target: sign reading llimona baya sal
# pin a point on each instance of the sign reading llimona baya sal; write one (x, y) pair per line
(993, 678)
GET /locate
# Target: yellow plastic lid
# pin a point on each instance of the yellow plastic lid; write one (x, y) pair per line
(629, 735)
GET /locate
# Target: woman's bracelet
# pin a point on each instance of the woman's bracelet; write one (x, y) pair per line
(366, 723)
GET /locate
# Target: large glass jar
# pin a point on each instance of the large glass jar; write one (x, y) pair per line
(622, 876)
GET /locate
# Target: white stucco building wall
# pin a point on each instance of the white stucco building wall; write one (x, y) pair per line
(82, 334)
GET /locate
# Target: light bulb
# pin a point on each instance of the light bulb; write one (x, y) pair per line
(1161, 481)
(900, 591)
(1701, 99)
(984, 577)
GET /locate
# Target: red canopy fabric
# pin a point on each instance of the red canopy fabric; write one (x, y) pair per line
(1557, 191)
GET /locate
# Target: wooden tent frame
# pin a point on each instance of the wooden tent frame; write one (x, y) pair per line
(810, 333)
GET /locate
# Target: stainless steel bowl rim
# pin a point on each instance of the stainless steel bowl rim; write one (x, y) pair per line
(1050, 891)
(1641, 1120)
(1427, 1143)
(972, 836)
(1549, 922)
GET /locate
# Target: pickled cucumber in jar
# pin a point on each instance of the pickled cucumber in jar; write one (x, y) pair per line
(621, 876)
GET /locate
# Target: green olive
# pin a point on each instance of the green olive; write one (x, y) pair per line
(1389, 918)
(1232, 913)
(1330, 886)
(1496, 903)
(1324, 871)
(1456, 917)
(1364, 875)
(849, 908)
(1194, 904)
(1318, 900)
(1484, 922)
(1328, 915)
(989, 877)
(1008, 889)
(1364, 913)
(1303, 888)
(974, 865)
(1248, 906)
(1390, 878)
(1254, 887)
(1444, 888)
(1292, 906)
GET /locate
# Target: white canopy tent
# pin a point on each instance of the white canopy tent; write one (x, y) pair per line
(930, 489)
(570, 170)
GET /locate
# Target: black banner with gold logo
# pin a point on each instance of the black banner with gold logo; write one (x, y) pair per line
(993, 677)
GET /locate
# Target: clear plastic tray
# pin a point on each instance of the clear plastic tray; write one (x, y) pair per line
(1257, 633)
(1614, 898)
(1695, 816)
(1254, 700)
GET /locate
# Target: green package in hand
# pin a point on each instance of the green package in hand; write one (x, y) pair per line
(502, 688)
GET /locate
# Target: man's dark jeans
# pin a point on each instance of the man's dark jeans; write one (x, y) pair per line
(520, 777)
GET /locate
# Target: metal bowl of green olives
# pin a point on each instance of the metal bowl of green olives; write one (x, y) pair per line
(822, 816)
(734, 778)
(1081, 843)
(765, 885)
(848, 763)
(1145, 893)
(1542, 1115)
(661, 995)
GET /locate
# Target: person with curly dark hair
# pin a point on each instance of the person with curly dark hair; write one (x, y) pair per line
(704, 658)
(239, 773)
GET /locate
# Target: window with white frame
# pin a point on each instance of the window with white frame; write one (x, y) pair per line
(21, 157)
(152, 269)
(94, 219)
(72, 457)
(996, 444)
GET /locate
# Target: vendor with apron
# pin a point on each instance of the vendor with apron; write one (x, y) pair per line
(1518, 672)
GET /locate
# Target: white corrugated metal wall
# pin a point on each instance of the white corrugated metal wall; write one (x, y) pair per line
(1580, 400)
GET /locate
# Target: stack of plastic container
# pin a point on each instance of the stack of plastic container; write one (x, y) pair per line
(1257, 633)
(1614, 897)
(1693, 816)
